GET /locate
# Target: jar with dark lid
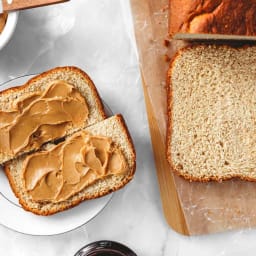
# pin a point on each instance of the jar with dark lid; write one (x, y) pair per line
(105, 248)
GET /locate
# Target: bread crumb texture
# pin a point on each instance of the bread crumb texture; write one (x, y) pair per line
(212, 113)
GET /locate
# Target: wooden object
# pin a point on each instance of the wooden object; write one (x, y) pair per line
(190, 208)
(153, 70)
(170, 201)
(14, 5)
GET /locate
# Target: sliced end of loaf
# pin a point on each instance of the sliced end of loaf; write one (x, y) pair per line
(211, 113)
(113, 127)
(73, 75)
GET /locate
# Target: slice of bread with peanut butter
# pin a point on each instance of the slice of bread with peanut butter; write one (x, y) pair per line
(51, 105)
(89, 163)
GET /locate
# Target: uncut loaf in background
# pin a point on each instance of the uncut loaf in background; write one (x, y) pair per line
(41, 95)
(212, 113)
(212, 19)
(113, 128)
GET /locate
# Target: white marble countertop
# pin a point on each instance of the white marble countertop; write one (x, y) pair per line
(97, 37)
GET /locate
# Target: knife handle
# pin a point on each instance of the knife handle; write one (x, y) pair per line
(13, 5)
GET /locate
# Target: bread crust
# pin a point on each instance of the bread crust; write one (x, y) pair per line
(62, 206)
(213, 17)
(169, 93)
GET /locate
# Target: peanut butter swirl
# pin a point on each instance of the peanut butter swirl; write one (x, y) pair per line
(57, 174)
(41, 116)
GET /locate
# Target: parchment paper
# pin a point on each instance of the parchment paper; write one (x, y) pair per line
(208, 207)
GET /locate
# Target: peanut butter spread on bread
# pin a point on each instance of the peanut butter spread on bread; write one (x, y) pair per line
(64, 170)
(41, 116)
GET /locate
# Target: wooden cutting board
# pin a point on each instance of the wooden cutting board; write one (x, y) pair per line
(190, 208)
(170, 200)
(152, 60)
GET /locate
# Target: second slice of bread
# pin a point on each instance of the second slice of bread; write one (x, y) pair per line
(212, 113)
(113, 127)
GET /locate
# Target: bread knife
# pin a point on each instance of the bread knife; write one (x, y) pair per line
(14, 5)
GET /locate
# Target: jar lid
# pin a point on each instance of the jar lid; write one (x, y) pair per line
(105, 248)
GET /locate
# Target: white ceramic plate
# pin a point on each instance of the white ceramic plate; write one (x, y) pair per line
(15, 218)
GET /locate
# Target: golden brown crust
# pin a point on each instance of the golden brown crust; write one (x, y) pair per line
(212, 16)
(169, 93)
(61, 207)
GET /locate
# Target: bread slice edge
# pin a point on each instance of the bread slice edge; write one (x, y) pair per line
(97, 111)
(74, 200)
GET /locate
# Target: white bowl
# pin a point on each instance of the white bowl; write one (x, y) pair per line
(9, 28)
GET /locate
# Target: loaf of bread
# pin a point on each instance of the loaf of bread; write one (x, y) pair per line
(44, 189)
(196, 19)
(49, 106)
(212, 113)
